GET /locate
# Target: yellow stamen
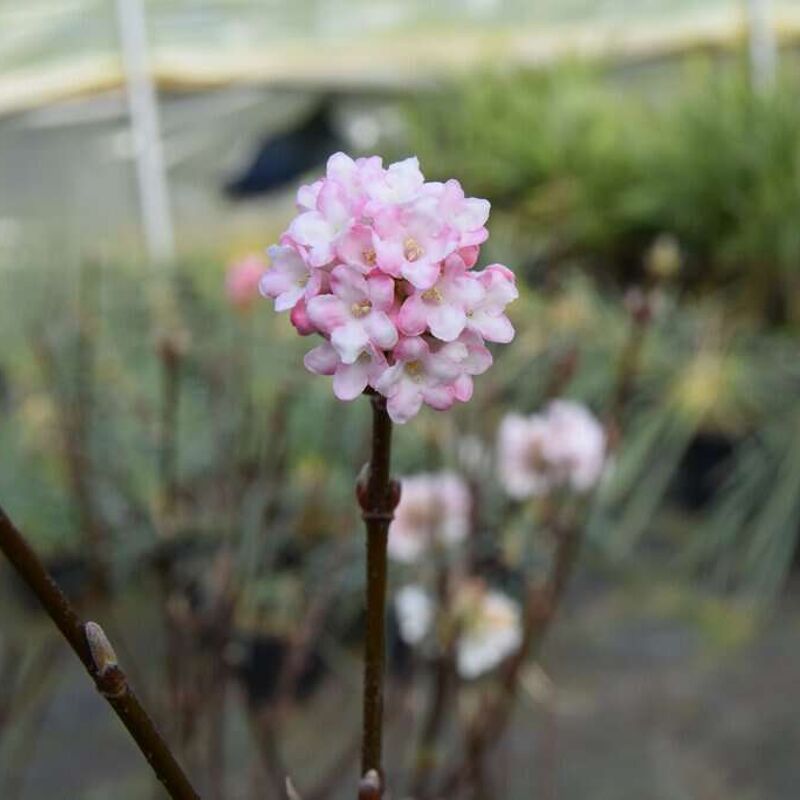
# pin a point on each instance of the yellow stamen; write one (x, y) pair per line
(369, 257)
(432, 295)
(414, 369)
(412, 249)
(361, 309)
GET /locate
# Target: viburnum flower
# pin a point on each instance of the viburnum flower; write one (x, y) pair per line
(242, 280)
(355, 314)
(488, 622)
(434, 510)
(380, 264)
(442, 308)
(289, 278)
(565, 445)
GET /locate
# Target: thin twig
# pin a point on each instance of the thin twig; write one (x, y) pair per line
(92, 648)
(378, 499)
(442, 678)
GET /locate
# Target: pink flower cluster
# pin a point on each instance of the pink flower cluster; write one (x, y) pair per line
(379, 262)
(565, 445)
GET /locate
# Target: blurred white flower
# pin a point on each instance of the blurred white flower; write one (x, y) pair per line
(565, 445)
(490, 629)
(414, 613)
(488, 622)
(434, 508)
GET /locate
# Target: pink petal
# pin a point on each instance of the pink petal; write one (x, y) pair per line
(299, 318)
(381, 291)
(468, 290)
(462, 388)
(411, 348)
(349, 340)
(413, 316)
(381, 330)
(405, 403)
(386, 382)
(289, 298)
(307, 196)
(493, 329)
(349, 285)
(332, 203)
(446, 321)
(422, 274)
(341, 168)
(314, 231)
(388, 256)
(327, 312)
(355, 246)
(350, 380)
(322, 360)
(469, 255)
(274, 282)
(474, 238)
(439, 397)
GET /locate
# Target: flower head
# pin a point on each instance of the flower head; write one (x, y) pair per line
(434, 511)
(488, 624)
(565, 445)
(380, 264)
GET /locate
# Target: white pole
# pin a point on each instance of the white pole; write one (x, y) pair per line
(143, 108)
(763, 44)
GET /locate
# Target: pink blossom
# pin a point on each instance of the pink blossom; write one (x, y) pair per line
(289, 278)
(356, 248)
(357, 177)
(349, 380)
(565, 445)
(466, 215)
(242, 280)
(418, 375)
(486, 316)
(576, 445)
(411, 242)
(472, 358)
(434, 511)
(442, 309)
(379, 264)
(521, 467)
(355, 314)
(308, 195)
(400, 183)
(319, 230)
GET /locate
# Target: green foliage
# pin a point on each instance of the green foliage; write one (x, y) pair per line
(588, 169)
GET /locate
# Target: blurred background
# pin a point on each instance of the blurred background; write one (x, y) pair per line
(191, 486)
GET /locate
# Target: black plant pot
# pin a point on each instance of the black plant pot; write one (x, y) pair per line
(259, 662)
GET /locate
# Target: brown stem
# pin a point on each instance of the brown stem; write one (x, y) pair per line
(378, 499)
(541, 604)
(442, 676)
(262, 724)
(92, 648)
(73, 423)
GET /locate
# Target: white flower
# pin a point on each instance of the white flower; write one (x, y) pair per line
(491, 629)
(489, 624)
(414, 613)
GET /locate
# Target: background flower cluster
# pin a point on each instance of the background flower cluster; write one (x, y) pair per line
(380, 263)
